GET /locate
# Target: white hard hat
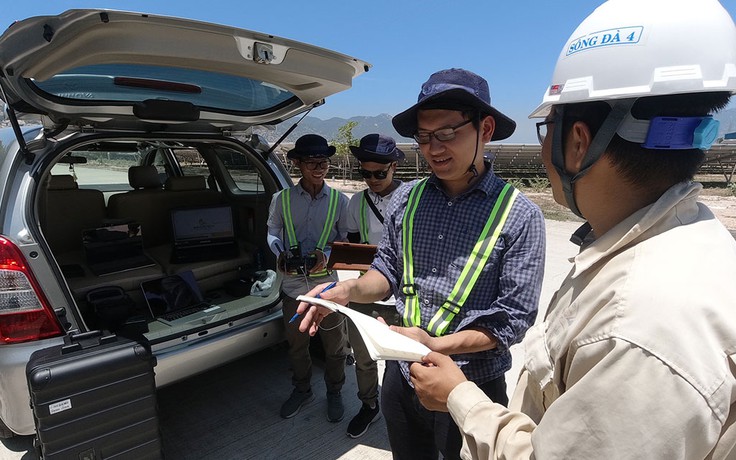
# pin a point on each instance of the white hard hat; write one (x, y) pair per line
(637, 48)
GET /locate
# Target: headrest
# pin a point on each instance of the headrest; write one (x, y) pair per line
(184, 183)
(61, 182)
(143, 177)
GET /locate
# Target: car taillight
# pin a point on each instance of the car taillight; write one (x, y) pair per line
(25, 313)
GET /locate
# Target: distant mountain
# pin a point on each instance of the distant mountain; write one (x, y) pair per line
(382, 124)
(329, 129)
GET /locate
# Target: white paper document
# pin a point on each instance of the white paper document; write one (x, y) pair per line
(380, 340)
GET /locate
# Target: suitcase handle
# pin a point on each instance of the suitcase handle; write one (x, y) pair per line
(80, 336)
(82, 340)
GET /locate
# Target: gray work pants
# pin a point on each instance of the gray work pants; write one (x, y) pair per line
(333, 334)
(366, 370)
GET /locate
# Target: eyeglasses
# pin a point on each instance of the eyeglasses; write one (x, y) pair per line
(542, 130)
(380, 175)
(443, 135)
(312, 165)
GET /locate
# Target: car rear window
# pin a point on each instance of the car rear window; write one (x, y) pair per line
(133, 83)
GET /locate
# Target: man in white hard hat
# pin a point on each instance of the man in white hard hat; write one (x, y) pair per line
(636, 357)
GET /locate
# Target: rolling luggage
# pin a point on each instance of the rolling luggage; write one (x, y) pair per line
(94, 398)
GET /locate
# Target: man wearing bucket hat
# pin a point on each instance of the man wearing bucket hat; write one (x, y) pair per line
(303, 220)
(636, 357)
(462, 252)
(378, 158)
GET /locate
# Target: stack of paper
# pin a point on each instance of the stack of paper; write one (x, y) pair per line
(380, 340)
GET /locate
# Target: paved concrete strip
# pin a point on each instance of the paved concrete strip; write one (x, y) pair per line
(232, 412)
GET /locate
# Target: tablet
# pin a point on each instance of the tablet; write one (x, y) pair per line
(351, 256)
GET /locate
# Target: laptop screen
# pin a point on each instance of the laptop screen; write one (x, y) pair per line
(112, 242)
(202, 225)
(171, 293)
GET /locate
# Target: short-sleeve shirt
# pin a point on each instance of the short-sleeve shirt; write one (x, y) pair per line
(309, 216)
(375, 227)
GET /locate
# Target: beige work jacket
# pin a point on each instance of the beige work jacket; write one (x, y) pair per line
(636, 357)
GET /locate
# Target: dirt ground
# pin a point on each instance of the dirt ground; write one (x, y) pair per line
(724, 207)
(720, 200)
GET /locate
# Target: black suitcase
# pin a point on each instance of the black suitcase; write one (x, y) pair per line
(95, 398)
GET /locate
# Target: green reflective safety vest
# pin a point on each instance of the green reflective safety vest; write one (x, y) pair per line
(291, 232)
(364, 224)
(482, 250)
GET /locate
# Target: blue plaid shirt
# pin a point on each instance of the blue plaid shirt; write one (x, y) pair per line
(505, 298)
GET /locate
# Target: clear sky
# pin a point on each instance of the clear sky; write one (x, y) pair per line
(513, 44)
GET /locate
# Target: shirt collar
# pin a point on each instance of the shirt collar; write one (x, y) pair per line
(488, 183)
(324, 192)
(677, 206)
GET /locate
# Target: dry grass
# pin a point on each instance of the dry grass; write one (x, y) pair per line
(550, 208)
(720, 200)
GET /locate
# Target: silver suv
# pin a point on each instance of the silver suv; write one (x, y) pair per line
(129, 159)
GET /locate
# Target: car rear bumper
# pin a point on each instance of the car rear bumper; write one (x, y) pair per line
(174, 362)
(15, 401)
(194, 356)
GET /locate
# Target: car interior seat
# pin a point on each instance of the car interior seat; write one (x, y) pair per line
(66, 210)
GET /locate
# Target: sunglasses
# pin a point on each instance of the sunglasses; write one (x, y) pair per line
(542, 130)
(380, 175)
(442, 135)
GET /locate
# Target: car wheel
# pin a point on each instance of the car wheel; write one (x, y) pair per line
(5, 432)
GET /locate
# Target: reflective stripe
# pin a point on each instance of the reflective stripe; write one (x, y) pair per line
(471, 272)
(329, 224)
(411, 304)
(364, 224)
(288, 223)
(474, 267)
(330, 221)
(363, 220)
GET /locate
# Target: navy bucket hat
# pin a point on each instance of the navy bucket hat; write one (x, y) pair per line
(310, 145)
(377, 148)
(454, 89)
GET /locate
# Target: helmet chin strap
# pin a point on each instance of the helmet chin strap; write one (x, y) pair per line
(619, 110)
(472, 169)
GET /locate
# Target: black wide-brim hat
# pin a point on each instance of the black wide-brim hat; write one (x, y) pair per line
(454, 89)
(310, 145)
(377, 148)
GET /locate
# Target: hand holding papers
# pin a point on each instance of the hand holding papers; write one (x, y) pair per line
(380, 340)
(329, 286)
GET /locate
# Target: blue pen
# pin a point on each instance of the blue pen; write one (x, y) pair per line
(329, 286)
